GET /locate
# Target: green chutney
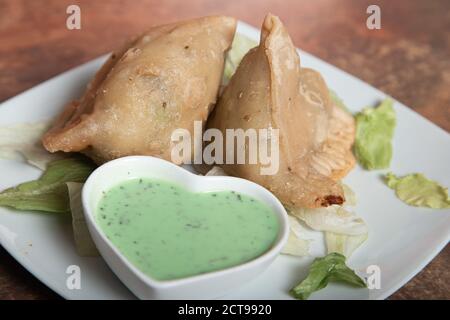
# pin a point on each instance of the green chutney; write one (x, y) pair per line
(169, 232)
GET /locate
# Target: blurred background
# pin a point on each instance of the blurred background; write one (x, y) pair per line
(408, 58)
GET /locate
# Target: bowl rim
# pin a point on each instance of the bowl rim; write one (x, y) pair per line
(89, 215)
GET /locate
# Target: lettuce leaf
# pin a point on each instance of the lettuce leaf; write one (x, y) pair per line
(332, 267)
(349, 194)
(337, 100)
(344, 244)
(83, 242)
(332, 218)
(296, 244)
(49, 192)
(374, 132)
(344, 231)
(216, 171)
(417, 190)
(239, 48)
(23, 142)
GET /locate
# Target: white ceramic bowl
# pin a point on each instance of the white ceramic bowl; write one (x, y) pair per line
(204, 286)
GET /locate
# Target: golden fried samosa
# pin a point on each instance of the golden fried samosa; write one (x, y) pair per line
(165, 79)
(270, 90)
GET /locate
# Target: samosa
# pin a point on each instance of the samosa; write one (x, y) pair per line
(164, 80)
(270, 90)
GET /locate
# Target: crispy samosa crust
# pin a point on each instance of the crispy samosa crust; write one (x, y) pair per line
(164, 80)
(270, 90)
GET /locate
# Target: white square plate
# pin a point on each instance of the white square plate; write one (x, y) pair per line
(401, 242)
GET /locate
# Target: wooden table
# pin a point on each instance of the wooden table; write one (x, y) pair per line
(409, 58)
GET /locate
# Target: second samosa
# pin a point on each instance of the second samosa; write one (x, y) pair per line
(270, 90)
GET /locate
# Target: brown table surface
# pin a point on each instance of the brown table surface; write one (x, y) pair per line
(409, 59)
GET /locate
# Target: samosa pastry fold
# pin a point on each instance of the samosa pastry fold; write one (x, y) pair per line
(164, 80)
(269, 90)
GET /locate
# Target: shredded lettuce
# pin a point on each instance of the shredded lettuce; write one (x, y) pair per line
(57, 191)
(417, 190)
(333, 219)
(349, 194)
(344, 231)
(216, 171)
(332, 268)
(49, 192)
(296, 244)
(337, 100)
(83, 242)
(344, 244)
(23, 142)
(374, 132)
(239, 48)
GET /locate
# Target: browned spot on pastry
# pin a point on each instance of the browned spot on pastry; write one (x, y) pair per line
(332, 199)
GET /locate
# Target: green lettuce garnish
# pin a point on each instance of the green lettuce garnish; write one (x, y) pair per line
(343, 243)
(374, 132)
(296, 244)
(22, 142)
(239, 48)
(332, 267)
(83, 241)
(337, 100)
(49, 192)
(417, 190)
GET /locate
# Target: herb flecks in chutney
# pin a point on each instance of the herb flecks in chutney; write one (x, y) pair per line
(169, 232)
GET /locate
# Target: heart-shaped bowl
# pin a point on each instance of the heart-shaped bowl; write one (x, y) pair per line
(204, 286)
